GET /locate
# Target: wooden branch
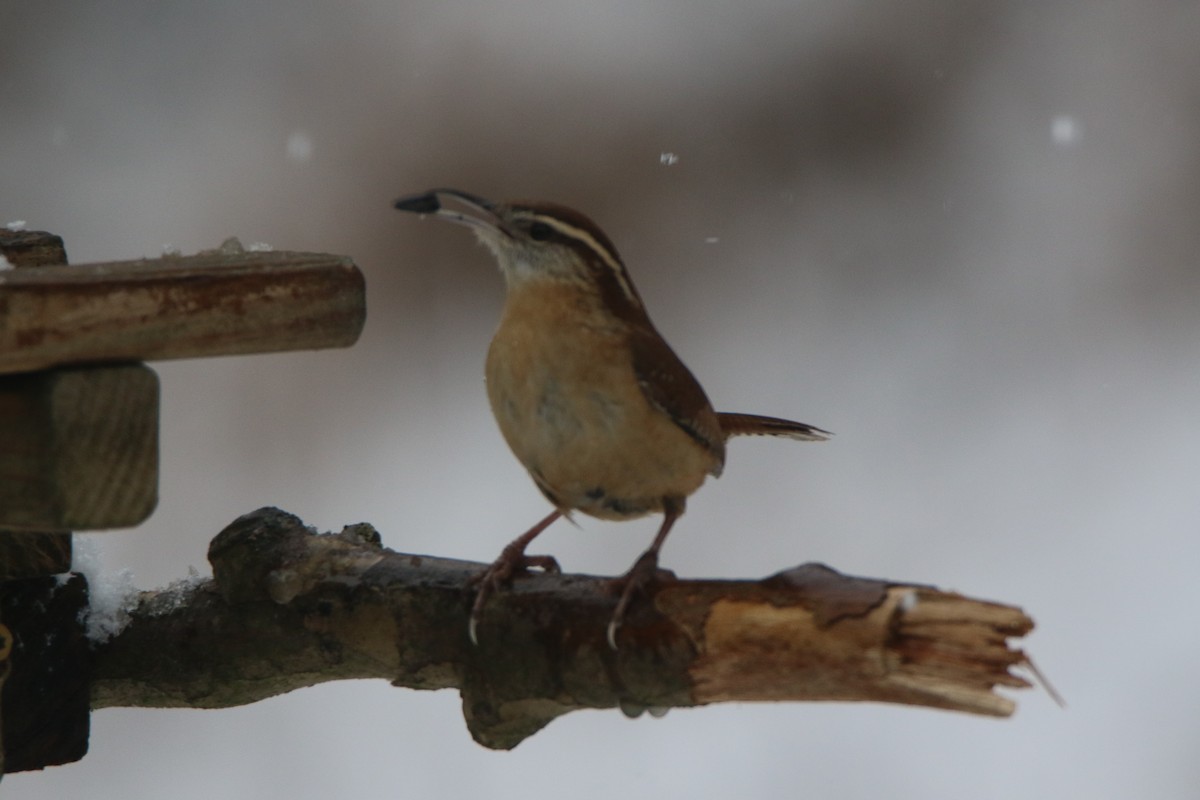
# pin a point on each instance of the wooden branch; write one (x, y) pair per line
(289, 608)
(31, 248)
(210, 304)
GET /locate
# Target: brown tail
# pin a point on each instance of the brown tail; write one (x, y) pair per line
(754, 425)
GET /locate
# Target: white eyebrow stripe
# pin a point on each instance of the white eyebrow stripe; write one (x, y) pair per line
(611, 261)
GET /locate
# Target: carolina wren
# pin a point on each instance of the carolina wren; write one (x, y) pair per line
(591, 399)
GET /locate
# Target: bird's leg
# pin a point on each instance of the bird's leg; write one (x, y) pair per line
(645, 569)
(512, 559)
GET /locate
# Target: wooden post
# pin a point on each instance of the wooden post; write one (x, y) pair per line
(46, 664)
(78, 448)
(46, 693)
(78, 422)
(43, 548)
(79, 430)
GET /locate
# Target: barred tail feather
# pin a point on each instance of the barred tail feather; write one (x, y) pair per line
(754, 425)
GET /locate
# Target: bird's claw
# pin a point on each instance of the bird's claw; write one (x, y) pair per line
(643, 573)
(500, 573)
(547, 564)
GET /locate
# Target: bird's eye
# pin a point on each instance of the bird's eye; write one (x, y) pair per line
(540, 231)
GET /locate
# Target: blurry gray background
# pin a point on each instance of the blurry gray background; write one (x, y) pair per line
(963, 235)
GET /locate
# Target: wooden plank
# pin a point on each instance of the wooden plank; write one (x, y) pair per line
(178, 307)
(78, 448)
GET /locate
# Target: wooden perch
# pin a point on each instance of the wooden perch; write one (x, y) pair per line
(216, 303)
(79, 442)
(288, 608)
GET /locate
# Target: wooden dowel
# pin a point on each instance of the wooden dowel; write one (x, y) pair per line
(178, 307)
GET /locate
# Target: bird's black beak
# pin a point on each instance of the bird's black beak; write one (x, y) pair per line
(455, 206)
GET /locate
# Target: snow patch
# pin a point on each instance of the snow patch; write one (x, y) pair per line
(300, 146)
(1065, 130)
(111, 594)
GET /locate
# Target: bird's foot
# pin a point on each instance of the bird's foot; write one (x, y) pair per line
(512, 562)
(642, 574)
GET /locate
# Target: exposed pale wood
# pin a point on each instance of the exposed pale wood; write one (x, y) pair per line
(178, 307)
(289, 608)
(756, 650)
(78, 448)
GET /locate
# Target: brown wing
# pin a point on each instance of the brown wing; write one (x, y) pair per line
(754, 425)
(671, 388)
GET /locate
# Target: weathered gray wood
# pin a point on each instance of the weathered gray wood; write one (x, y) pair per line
(78, 448)
(287, 607)
(178, 307)
(32, 248)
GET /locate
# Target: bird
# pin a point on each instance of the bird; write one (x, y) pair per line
(588, 395)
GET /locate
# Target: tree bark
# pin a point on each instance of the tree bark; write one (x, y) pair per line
(288, 608)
